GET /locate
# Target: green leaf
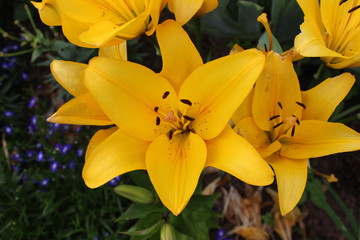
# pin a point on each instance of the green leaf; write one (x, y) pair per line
(144, 232)
(140, 211)
(264, 39)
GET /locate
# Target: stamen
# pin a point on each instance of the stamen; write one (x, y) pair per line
(274, 117)
(278, 125)
(157, 121)
(297, 120)
(301, 105)
(188, 118)
(293, 131)
(185, 101)
(353, 9)
(165, 94)
(280, 105)
(342, 1)
(156, 109)
(170, 134)
(266, 49)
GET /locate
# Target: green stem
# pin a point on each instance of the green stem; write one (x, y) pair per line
(30, 17)
(14, 54)
(318, 75)
(7, 35)
(345, 113)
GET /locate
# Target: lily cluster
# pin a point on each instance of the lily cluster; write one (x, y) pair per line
(241, 113)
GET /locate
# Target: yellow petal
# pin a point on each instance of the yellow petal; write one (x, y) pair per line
(82, 110)
(110, 155)
(128, 93)
(118, 51)
(207, 6)
(174, 167)
(179, 55)
(291, 178)
(69, 75)
(233, 154)
(184, 10)
(278, 83)
(317, 138)
(322, 100)
(248, 129)
(245, 108)
(155, 7)
(48, 12)
(217, 88)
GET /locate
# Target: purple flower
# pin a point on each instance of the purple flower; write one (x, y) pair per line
(45, 182)
(17, 157)
(31, 129)
(38, 145)
(33, 120)
(58, 147)
(40, 156)
(15, 47)
(8, 130)
(72, 164)
(53, 166)
(65, 148)
(32, 102)
(79, 152)
(16, 168)
(30, 153)
(8, 114)
(115, 181)
(220, 234)
(24, 76)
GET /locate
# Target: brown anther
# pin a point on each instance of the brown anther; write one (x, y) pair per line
(353, 9)
(185, 101)
(297, 120)
(293, 131)
(265, 46)
(280, 105)
(278, 125)
(156, 109)
(342, 1)
(188, 118)
(157, 121)
(170, 134)
(301, 105)
(165, 94)
(274, 117)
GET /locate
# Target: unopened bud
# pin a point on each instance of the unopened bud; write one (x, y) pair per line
(135, 194)
(167, 232)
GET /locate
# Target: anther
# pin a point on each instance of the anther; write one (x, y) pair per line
(293, 131)
(157, 121)
(342, 1)
(280, 105)
(156, 109)
(266, 49)
(188, 118)
(170, 134)
(274, 117)
(301, 105)
(353, 9)
(165, 94)
(278, 125)
(297, 120)
(185, 101)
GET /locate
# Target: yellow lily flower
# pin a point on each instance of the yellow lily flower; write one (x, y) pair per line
(288, 126)
(331, 30)
(172, 124)
(184, 10)
(93, 23)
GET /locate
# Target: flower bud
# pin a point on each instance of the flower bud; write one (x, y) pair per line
(135, 194)
(167, 232)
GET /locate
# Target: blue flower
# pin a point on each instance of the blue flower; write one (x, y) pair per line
(65, 148)
(8, 130)
(53, 166)
(8, 114)
(30, 153)
(115, 181)
(40, 156)
(24, 76)
(32, 102)
(220, 234)
(33, 120)
(80, 152)
(72, 164)
(45, 182)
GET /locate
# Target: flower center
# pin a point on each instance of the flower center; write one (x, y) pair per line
(178, 122)
(125, 9)
(283, 124)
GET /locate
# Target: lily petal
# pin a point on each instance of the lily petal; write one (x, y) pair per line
(217, 88)
(180, 56)
(82, 110)
(322, 100)
(207, 6)
(118, 51)
(233, 154)
(184, 10)
(69, 75)
(111, 154)
(245, 108)
(174, 167)
(317, 138)
(291, 175)
(48, 12)
(133, 89)
(278, 83)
